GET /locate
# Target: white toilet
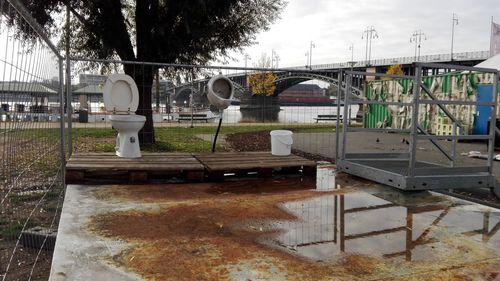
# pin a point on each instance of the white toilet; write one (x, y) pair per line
(121, 99)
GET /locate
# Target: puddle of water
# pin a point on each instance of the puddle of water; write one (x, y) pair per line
(375, 225)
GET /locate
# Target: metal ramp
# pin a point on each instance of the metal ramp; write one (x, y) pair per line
(406, 170)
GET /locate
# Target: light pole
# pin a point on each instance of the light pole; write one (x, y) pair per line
(454, 21)
(272, 58)
(276, 59)
(246, 57)
(311, 46)
(417, 38)
(370, 33)
(351, 48)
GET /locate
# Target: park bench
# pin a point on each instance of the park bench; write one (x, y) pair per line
(326, 117)
(194, 117)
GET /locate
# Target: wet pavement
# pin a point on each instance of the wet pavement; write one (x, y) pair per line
(372, 224)
(279, 229)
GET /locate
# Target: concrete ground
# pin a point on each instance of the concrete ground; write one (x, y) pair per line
(361, 142)
(275, 229)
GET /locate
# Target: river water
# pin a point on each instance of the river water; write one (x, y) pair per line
(286, 115)
(290, 114)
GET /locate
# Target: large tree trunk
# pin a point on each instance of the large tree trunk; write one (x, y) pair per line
(143, 77)
(145, 20)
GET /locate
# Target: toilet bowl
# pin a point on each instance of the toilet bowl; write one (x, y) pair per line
(121, 99)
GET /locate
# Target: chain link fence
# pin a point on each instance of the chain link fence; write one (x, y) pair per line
(31, 146)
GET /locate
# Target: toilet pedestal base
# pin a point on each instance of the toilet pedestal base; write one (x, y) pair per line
(127, 145)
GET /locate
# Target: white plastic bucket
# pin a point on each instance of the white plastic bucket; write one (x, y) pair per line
(325, 176)
(281, 142)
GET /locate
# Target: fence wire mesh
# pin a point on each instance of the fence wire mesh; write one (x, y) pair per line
(31, 156)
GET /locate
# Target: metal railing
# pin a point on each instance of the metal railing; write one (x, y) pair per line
(465, 56)
(432, 113)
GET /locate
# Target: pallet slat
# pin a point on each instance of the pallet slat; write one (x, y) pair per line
(96, 167)
(264, 163)
(109, 168)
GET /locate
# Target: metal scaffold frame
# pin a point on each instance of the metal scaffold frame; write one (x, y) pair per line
(404, 170)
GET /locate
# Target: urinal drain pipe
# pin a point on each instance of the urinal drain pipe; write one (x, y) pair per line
(217, 133)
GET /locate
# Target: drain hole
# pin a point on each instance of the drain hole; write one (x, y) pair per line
(480, 182)
(424, 184)
(390, 180)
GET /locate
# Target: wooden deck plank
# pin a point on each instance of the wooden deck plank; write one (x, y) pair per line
(93, 167)
(114, 167)
(109, 168)
(254, 161)
(264, 163)
(118, 162)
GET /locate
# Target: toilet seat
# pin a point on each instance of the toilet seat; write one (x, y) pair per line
(120, 94)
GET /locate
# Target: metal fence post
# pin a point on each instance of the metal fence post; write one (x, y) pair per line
(61, 112)
(414, 120)
(69, 109)
(337, 127)
(493, 125)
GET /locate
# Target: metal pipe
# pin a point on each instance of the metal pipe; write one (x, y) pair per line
(379, 75)
(454, 145)
(69, 109)
(448, 113)
(456, 67)
(62, 125)
(437, 145)
(345, 125)
(206, 66)
(414, 121)
(337, 128)
(492, 129)
(458, 137)
(453, 20)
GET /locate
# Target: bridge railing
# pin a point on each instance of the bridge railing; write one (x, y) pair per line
(477, 55)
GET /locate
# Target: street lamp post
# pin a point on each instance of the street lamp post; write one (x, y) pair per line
(351, 48)
(417, 38)
(246, 57)
(311, 46)
(274, 58)
(277, 60)
(370, 33)
(454, 21)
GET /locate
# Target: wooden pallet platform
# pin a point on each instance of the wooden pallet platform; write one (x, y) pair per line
(85, 168)
(263, 163)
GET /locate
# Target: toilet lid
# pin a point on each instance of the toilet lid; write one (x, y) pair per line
(120, 93)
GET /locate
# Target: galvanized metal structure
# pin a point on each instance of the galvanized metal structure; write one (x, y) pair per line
(404, 170)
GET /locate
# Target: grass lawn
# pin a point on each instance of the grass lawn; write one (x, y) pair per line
(177, 139)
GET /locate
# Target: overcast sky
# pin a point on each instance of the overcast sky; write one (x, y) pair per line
(334, 24)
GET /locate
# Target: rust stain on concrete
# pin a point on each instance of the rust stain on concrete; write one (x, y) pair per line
(283, 230)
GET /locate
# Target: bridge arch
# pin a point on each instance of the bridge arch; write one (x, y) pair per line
(294, 78)
(183, 93)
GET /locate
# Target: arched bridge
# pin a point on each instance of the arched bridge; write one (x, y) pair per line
(283, 80)
(328, 73)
